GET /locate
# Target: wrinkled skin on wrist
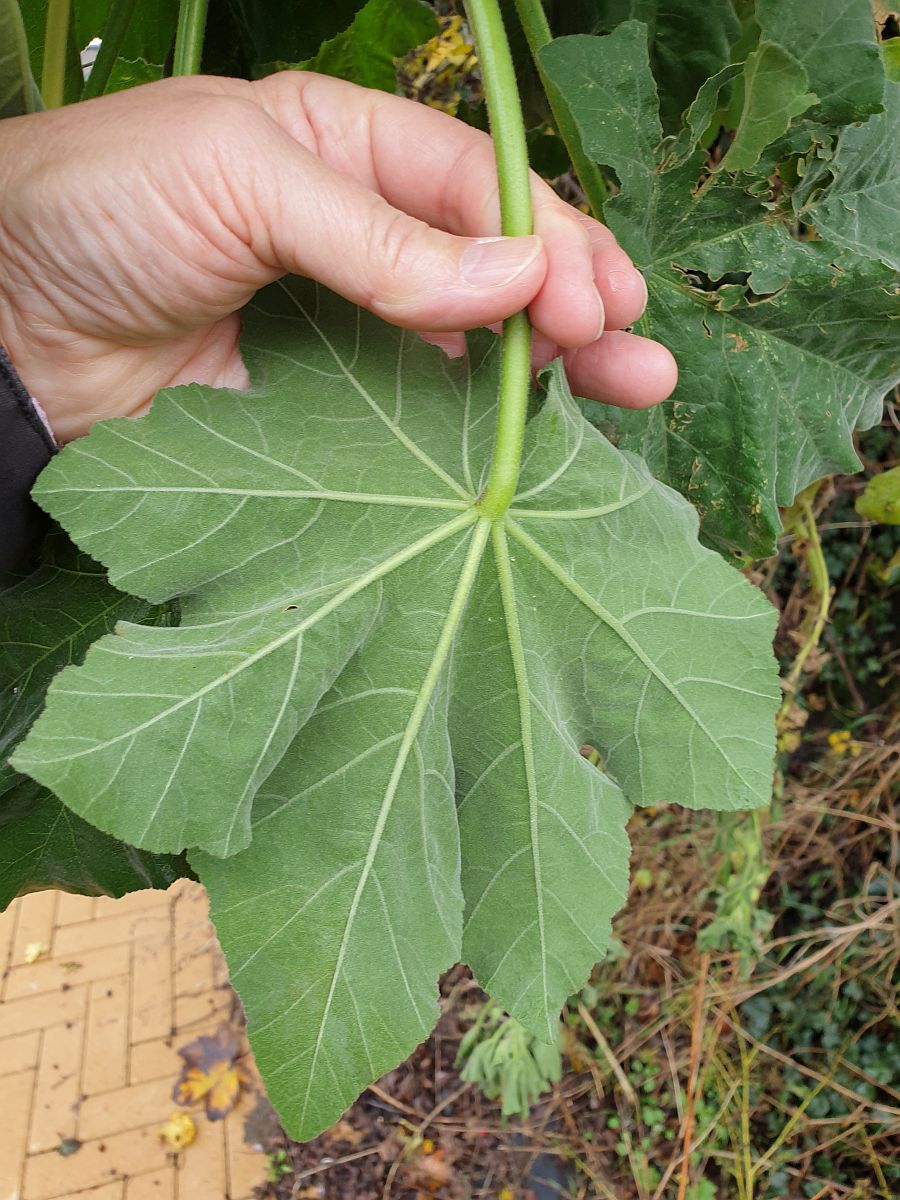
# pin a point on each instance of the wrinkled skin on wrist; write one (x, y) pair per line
(133, 228)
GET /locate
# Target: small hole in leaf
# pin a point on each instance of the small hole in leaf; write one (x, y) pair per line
(290, 608)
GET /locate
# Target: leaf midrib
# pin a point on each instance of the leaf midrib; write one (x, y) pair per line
(609, 620)
(415, 450)
(395, 501)
(435, 537)
(441, 653)
(523, 696)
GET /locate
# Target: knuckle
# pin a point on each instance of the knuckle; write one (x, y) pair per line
(397, 252)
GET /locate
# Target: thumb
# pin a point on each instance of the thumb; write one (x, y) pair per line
(317, 222)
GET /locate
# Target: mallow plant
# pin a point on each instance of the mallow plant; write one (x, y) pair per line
(353, 626)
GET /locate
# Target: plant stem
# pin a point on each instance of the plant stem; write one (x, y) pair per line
(537, 33)
(117, 22)
(802, 520)
(189, 37)
(56, 43)
(508, 130)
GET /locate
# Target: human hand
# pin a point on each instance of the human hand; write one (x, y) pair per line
(134, 227)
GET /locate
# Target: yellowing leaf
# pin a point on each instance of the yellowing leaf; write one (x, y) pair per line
(881, 499)
(210, 1072)
(179, 1131)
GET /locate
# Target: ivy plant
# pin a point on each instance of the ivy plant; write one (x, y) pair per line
(357, 623)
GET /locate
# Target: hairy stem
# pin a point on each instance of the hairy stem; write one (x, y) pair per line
(508, 130)
(189, 37)
(537, 33)
(113, 36)
(56, 43)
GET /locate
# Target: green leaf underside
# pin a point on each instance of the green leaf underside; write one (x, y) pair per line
(774, 374)
(358, 645)
(47, 621)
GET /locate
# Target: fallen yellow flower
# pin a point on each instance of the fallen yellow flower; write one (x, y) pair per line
(179, 1131)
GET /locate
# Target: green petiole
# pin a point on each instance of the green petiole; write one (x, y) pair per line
(508, 130)
(56, 40)
(189, 37)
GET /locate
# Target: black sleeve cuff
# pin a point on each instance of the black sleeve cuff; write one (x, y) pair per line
(26, 446)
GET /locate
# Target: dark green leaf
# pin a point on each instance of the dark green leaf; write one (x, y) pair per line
(299, 30)
(141, 48)
(44, 845)
(773, 91)
(860, 207)
(46, 622)
(836, 43)
(698, 117)
(381, 32)
(773, 376)
(18, 92)
(151, 30)
(770, 90)
(609, 88)
(689, 42)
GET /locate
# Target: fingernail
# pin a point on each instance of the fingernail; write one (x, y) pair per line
(623, 281)
(493, 262)
(601, 320)
(452, 344)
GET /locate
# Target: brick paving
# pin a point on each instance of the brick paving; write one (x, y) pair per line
(89, 1034)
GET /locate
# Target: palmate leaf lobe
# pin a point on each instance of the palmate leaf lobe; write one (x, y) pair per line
(411, 793)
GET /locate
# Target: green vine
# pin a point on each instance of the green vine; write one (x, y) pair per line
(508, 130)
(800, 519)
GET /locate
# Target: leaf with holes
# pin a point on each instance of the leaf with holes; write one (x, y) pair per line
(853, 199)
(368, 724)
(783, 346)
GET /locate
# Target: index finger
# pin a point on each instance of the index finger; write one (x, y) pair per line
(443, 172)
